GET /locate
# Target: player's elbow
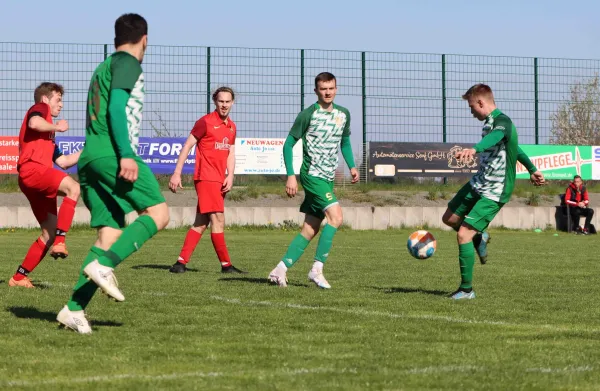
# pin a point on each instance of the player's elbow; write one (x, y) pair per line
(61, 162)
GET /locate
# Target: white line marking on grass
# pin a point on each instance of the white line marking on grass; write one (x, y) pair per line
(585, 368)
(357, 312)
(449, 368)
(111, 378)
(287, 371)
(174, 376)
(392, 315)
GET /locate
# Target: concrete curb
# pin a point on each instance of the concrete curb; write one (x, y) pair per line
(360, 218)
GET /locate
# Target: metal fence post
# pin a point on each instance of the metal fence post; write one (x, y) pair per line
(208, 80)
(105, 51)
(444, 104)
(301, 79)
(364, 115)
(536, 109)
(443, 98)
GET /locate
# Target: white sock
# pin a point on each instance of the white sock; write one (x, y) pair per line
(282, 265)
(318, 266)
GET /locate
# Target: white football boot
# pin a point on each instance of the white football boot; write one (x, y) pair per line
(278, 276)
(104, 277)
(318, 278)
(74, 320)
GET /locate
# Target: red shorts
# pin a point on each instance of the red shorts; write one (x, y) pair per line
(40, 185)
(210, 197)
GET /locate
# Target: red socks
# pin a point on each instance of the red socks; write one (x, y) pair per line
(34, 256)
(189, 245)
(191, 241)
(218, 241)
(65, 218)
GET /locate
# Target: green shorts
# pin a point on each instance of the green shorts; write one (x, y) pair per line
(477, 211)
(318, 195)
(109, 198)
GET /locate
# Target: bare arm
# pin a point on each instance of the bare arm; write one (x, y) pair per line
(39, 124)
(175, 181)
(185, 151)
(228, 183)
(68, 161)
(231, 161)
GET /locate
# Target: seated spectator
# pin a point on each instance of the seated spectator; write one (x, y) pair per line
(578, 200)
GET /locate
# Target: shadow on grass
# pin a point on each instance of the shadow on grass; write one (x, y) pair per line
(34, 313)
(411, 290)
(262, 281)
(161, 267)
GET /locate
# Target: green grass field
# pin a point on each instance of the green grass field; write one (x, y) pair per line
(386, 324)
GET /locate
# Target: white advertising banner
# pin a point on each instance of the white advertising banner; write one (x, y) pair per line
(595, 162)
(264, 156)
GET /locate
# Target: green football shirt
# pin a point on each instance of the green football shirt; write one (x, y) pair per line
(321, 132)
(496, 176)
(119, 71)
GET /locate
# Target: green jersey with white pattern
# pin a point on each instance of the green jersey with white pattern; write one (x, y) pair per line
(119, 71)
(498, 151)
(321, 132)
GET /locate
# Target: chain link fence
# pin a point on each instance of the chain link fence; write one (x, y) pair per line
(391, 96)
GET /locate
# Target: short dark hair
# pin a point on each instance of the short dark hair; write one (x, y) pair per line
(223, 89)
(324, 76)
(479, 90)
(46, 89)
(130, 28)
(577, 176)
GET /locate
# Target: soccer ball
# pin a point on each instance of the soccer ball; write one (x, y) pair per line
(421, 244)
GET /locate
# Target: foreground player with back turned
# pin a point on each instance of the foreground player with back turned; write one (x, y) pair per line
(476, 204)
(323, 127)
(114, 180)
(42, 183)
(214, 137)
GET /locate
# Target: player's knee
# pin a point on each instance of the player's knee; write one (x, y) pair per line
(465, 235)
(160, 215)
(217, 221)
(336, 220)
(74, 191)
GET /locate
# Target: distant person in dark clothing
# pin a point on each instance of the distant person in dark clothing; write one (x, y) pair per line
(578, 200)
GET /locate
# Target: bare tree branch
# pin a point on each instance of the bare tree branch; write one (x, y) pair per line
(577, 121)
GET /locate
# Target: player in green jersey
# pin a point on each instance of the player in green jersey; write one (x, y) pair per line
(477, 203)
(323, 128)
(114, 180)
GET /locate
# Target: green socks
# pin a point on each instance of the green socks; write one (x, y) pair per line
(295, 250)
(84, 290)
(466, 259)
(131, 240)
(299, 244)
(325, 242)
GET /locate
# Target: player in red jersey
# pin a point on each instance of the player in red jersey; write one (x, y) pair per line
(41, 182)
(214, 137)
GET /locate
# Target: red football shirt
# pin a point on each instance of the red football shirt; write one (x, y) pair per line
(215, 138)
(36, 146)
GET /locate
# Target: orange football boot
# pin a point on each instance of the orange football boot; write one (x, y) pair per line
(24, 283)
(59, 250)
